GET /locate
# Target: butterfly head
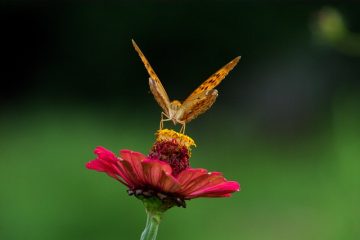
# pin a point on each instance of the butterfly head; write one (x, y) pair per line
(175, 104)
(174, 107)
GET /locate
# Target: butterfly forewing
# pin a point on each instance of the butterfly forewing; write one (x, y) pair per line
(156, 87)
(156, 90)
(196, 105)
(216, 78)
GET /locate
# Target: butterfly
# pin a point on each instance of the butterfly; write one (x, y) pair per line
(197, 103)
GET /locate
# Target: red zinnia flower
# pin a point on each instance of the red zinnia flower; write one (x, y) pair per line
(165, 173)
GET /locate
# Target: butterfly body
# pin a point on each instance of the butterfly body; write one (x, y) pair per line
(197, 103)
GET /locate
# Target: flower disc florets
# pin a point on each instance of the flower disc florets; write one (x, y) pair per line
(173, 148)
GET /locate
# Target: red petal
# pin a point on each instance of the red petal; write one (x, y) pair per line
(132, 163)
(106, 161)
(201, 183)
(158, 175)
(105, 154)
(220, 190)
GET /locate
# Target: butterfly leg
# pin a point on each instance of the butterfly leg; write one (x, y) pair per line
(163, 119)
(182, 129)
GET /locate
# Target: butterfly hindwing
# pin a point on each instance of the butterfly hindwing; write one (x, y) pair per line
(196, 105)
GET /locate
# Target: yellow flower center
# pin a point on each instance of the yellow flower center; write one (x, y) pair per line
(181, 139)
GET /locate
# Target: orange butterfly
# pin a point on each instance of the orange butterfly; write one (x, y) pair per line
(198, 102)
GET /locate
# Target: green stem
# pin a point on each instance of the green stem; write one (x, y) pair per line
(152, 226)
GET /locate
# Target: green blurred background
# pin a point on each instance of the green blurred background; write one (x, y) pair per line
(285, 125)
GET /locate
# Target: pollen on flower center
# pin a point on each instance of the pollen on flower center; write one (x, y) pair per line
(182, 139)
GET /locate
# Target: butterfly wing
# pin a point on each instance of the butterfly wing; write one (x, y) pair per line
(215, 79)
(160, 95)
(156, 87)
(205, 95)
(196, 105)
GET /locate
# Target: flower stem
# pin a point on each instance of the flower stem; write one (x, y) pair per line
(152, 226)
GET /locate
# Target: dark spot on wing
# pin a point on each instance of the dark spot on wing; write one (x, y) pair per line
(218, 75)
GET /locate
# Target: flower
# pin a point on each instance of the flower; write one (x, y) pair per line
(165, 173)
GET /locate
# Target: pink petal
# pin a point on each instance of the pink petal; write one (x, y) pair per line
(106, 161)
(201, 183)
(221, 190)
(105, 154)
(103, 161)
(158, 175)
(134, 167)
(193, 179)
(128, 172)
(187, 176)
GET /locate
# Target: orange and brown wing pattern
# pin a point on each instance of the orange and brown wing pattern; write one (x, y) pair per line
(159, 95)
(156, 87)
(196, 105)
(216, 78)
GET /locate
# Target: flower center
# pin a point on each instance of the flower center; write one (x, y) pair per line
(181, 139)
(173, 148)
